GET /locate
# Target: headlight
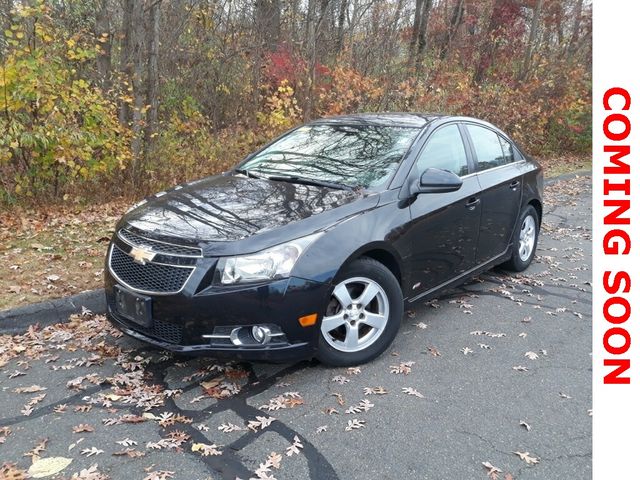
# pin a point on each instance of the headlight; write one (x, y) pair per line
(269, 264)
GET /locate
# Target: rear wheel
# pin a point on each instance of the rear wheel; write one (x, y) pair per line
(363, 314)
(525, 240)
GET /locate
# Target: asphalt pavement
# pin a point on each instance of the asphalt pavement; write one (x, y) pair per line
(498, 366)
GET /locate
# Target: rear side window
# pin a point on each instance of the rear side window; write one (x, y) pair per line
(507, 150)
(488, 148)
(445, 151)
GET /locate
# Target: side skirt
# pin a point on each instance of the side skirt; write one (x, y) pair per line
(463, 277)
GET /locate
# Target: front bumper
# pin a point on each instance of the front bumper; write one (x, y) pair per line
(183, 322)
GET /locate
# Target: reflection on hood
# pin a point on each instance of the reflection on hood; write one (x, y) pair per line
(229, 208)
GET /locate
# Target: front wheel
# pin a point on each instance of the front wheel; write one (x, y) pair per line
(363, 314)
(525, 240)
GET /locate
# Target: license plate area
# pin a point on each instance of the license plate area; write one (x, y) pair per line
(135, 308)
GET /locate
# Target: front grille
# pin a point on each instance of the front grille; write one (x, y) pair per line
(169, 332)
(157, 246)
(150, 277)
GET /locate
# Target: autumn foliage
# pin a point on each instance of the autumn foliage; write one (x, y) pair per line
(73, 128)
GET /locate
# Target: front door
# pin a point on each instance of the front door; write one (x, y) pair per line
(444, 226)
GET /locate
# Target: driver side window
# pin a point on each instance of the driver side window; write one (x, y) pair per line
(444, 150)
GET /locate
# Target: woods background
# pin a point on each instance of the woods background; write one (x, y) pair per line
(118, 98)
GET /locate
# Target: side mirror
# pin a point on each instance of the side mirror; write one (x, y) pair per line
(434, 180)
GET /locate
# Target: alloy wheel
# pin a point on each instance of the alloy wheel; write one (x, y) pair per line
(357, 314)
(527, 238)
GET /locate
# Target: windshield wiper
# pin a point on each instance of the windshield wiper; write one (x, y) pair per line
(309, 181)
(247, 173)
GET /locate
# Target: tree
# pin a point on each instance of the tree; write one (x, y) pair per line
(503, 14)
(533, 34)
(153, 80)
(103, 37)
(415, 29)
(454, 24)
(422, 32)
(267, 19)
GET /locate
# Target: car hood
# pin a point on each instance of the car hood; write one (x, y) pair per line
(229, 208)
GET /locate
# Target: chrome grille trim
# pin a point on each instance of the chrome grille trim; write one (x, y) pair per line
(150, 264)
(158, 246)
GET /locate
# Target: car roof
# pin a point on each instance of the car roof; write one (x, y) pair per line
(401, 119)
(396, 119)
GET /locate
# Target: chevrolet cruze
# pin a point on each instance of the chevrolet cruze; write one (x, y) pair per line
(313, 245)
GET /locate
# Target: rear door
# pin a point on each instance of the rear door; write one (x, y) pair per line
(444, 226)
(501, 184)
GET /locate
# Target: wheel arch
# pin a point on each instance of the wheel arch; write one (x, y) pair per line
(383, 253)
(537, 204)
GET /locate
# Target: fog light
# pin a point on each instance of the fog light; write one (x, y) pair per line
(261, 334)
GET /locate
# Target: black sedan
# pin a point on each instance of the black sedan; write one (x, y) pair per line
(313, 245)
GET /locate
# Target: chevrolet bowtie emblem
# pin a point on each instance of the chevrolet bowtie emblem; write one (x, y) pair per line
(141, 256)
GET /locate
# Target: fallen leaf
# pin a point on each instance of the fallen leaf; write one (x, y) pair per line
(211, 383)
(341, 379)
(4, 433)
(129, 452)
(127, 442)
(90, 473)
(40, 447)
(229, 427)
(412, 391)
(46, 467)
(274, 459)
(260, 423)
(295, 447)
(9, 471)
(90, 452)
(206, 450)
(31, 389)
(404, 368)
(83, 427)
(354, 424)
(492, 470)
(160, 475)
(374, 391)
(527, 458)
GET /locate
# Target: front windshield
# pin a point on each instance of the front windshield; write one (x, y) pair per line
(353, 155)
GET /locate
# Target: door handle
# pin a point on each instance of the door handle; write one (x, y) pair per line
(472, 202)
(513, 185)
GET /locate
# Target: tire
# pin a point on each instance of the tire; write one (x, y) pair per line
(527, 230)
(352, 332)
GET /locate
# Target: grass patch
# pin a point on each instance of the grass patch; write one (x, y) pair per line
(54, 253)
(556, 166)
